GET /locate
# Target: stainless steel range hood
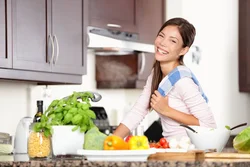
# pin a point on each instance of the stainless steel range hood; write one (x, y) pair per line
(104, 41)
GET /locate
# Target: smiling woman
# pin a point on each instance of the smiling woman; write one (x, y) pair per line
(172, 90)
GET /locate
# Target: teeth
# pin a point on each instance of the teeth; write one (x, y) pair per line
(161, 51)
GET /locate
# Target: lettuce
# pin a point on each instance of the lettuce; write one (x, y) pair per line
(241, 142)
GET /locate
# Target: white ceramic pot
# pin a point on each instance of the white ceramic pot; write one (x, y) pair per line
(65, 141)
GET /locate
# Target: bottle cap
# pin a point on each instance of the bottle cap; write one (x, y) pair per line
(39, 102)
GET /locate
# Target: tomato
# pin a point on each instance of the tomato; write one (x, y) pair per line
(152, 145)
(162, 141)
(157, 145)
(166, 145)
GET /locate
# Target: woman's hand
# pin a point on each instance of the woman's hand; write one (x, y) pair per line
(159, 103)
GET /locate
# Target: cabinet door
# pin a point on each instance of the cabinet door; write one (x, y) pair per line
(30, 35)
(150, 19)
(67, 30)
(244, 42)
(5, 57)
(117, 14)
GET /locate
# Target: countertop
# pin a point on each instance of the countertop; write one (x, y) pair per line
(23, 160)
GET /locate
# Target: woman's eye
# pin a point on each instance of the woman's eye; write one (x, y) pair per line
(160, 35)
(173, 41)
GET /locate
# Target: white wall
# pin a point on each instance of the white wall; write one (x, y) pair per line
(216, 23)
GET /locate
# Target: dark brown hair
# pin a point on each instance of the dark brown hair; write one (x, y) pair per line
(187, 32)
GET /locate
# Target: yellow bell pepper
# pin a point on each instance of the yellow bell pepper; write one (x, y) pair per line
(138, 143)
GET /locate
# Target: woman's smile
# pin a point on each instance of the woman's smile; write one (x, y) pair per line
(161, 51)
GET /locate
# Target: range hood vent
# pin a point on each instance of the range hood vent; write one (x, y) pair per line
(106, 40)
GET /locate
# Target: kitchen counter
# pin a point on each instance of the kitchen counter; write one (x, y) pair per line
(24, 161)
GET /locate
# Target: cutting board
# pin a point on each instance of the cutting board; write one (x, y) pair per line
(227, 155)
(196, 156)
(183, 156)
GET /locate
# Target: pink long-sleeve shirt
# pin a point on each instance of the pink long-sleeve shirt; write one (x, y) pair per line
(184, 97)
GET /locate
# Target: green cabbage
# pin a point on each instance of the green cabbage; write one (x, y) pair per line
(241, 142)
(94, 139)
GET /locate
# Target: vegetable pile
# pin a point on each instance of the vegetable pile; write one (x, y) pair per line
(162, 143)
(73, 110)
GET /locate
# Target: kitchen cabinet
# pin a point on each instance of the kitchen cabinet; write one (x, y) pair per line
(48, 36)
(244, 42)
(30, 35)
(68, 28)
(113, 14)
(5, 56)
(43, 41)
(151, 16)
(143, 17)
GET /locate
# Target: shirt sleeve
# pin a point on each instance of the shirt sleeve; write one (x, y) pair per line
(195, 102)
(140, 108)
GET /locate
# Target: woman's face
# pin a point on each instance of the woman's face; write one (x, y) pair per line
(169, 45)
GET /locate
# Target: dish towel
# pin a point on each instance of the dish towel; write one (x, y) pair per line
(179, 72)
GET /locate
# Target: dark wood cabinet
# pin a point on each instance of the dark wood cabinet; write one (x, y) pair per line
(48, 36)
(29, 21)
(67, 29)
(113, 14)
(43, 41)
(244, 43)
(151, 16)
(5, 57)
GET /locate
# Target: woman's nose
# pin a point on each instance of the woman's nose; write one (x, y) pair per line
(163, 43)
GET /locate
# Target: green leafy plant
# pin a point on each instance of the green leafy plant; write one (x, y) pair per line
(43, 126)
(73, 110)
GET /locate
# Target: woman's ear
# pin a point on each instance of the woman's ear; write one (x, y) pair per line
(184, 50)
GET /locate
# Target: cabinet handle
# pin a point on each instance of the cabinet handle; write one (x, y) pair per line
(143, 59)
(53, 48)
(114, 25)
(57, 49)
(87, 39)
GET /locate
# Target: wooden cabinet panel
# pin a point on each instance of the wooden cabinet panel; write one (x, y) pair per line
(30, 35)
(244, 42)
(67, 30)
(5, 57)
(116, 14)
(151, 17)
